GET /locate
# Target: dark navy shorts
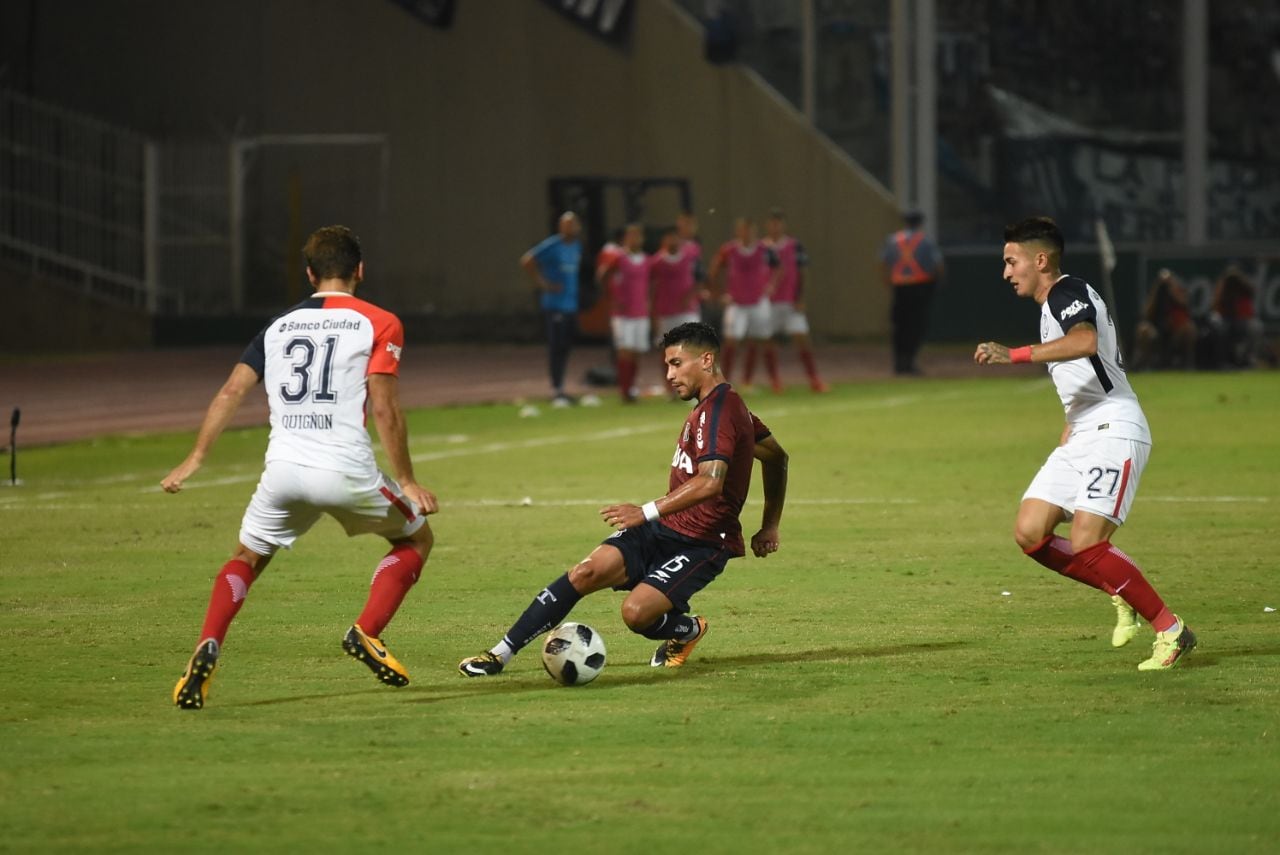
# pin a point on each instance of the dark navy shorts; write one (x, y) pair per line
(676, 565)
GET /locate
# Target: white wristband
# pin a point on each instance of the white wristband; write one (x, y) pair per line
(650, 511)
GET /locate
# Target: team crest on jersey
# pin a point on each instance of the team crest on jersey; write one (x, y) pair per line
(394, 350)
(1074, 309)
(687, 429)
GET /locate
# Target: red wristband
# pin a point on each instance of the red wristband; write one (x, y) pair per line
(1020, 354)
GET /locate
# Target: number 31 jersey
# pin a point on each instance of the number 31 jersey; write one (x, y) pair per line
(314, 361)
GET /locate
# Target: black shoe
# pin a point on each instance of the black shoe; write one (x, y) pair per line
(485, 665)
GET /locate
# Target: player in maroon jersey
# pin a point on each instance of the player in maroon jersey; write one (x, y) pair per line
(667, 550)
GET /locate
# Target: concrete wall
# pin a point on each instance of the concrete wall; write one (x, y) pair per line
(479, 118)
(44, 316)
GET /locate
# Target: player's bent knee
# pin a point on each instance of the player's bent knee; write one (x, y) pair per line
(635, 616)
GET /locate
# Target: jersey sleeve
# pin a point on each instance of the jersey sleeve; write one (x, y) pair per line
(759, 428)
(1070, 304)
(388, 342)
(721, 434)
(255, 355)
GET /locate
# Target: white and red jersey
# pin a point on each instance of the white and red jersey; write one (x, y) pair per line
(675, 280)
(314, 361)
(629, 286)
(1094, 390)
(748, 269)
(791, 257)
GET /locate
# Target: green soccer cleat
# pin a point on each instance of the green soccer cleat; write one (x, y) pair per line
(1126, 623)
(193, 686)
(672, 653)
(1169, 649)
(485, 665)
(373, 653)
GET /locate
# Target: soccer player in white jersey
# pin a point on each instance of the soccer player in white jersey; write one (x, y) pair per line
(1092, 476)
(320, 362)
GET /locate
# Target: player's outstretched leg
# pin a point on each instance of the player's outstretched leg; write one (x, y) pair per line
(547, 610)
(372, 652)
(193, 686)
(673, 652)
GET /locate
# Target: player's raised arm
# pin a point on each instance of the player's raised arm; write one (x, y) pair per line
(773, 469)
(384, 397)
(222, 408)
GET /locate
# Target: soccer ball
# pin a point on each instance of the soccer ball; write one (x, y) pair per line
(573, 654)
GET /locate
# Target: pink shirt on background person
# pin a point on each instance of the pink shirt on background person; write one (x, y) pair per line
(791, 257)
(748, 269)
(629, 286)
(675, 290)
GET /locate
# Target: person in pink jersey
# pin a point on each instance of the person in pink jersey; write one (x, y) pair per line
(627, 276)
(675, 270)
(787, 309)
(751, 275)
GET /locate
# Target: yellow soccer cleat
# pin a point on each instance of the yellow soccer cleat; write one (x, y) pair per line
(373, 653)
(193, 687)
(1126, 623)
(1169, 649)
(672, 653)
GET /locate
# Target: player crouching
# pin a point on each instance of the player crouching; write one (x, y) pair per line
(667, 550)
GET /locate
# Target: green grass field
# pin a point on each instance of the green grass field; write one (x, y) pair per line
(870, 688)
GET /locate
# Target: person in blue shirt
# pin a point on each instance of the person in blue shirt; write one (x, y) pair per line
(553, 266)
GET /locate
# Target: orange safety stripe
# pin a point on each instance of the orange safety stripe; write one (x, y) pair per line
(906, 270)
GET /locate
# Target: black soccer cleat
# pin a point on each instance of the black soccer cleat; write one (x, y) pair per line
(485, 665)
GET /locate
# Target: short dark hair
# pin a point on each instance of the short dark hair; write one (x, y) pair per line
(1036, 230)
(913, 218)
(702, 336)
(332, 252)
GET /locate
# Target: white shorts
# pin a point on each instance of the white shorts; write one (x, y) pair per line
(630, 333)
(789, 320)
(1093, 472)
(748, 321)
(670, 322)
(290, 498)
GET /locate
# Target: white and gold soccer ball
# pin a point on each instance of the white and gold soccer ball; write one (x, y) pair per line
(573, 654)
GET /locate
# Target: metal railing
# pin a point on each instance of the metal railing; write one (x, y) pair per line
(78, 201)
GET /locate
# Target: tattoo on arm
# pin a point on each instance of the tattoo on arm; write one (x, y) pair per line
(717, 470)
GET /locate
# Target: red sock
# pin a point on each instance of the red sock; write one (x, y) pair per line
(1119, 575)
(229, 590)
(749, 369)
(1055, 553)
(393, 578)
(726, 358)
(771, 365)
(810, 366)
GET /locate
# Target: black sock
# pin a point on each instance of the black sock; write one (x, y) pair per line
(672, 625)
(547, 610)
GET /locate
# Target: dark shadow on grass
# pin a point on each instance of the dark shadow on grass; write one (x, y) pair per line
(633, 674)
